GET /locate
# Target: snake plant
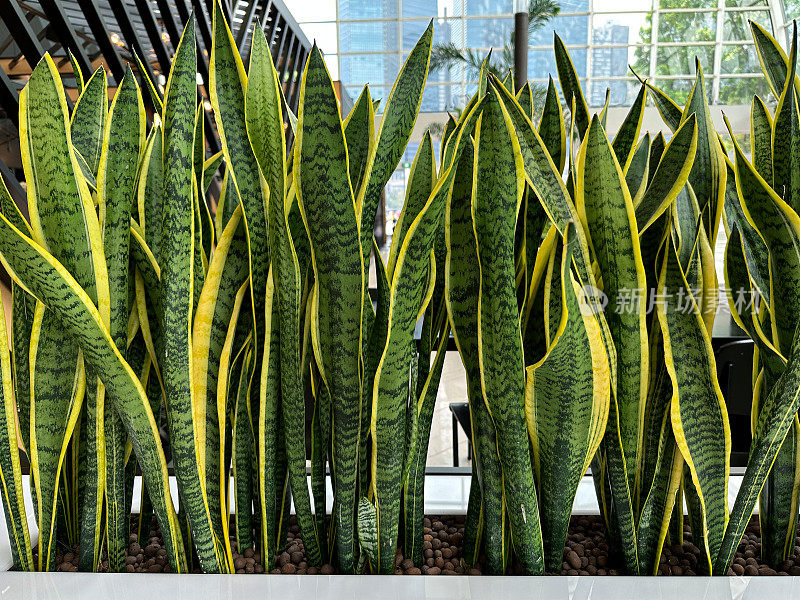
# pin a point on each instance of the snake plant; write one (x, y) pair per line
(575, 272)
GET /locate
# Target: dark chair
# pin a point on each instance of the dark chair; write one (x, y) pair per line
(735, 374)
(460, 412)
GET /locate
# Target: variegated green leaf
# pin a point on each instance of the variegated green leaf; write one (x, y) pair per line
(421, 182)
(774, 62)
(123, 139)
(399, 116)
(570, 85)
(761, 124)
(329, 211)
(698, 413)
(628, 133)
(567, 403)
(670, 176)
(50, 282)
(177, 277)
(359, 131)
(786, 138)
(551, 127)
(499, 183)
(606, 208)
(88, 119)
(11, 490)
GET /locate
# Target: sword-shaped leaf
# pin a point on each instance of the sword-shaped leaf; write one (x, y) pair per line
(399, 116)
(551, 127)
(46, 279)
(761, 125)
(628, 133)
(329, 212)
(462, 286)
(636, 175)
(708, 173)
(786, 138)
(227, 272)
(499, 183)
(570, 85)
(670, 175)
(606, 208)
(58, 382)
(359, 131)
(122, 143)
(698, 413)
(421, 182)
(567, 403)
(774, 62)
(177, 277)
(11, 490)
(265, 124)
(88, 119)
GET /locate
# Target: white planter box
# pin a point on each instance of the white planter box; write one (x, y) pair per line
(88, 586)
(444, 495)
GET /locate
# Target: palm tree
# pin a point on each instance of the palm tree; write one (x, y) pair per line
(448, 55)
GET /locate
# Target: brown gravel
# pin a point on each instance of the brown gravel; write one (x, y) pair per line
(586, 552)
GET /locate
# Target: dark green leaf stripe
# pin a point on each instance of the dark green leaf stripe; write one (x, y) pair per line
(499, 168)
(567, 403)
(698, 413)
(123, 139)
(551, 127)
(775, 419)
(420, 185)
(761, 138)
(670, 175)
(570, 85)
(177, 276)
(57, 386)
(264, 109)
(636, 174)
(359, 131)
(786, 138)
(605, 206)
(52, 284)
(88, 119)
(628, 133)
(227, 272)
(11, 489)
(399, 116)
(329, 212)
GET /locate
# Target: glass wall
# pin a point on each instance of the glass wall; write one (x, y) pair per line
(368, 41)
